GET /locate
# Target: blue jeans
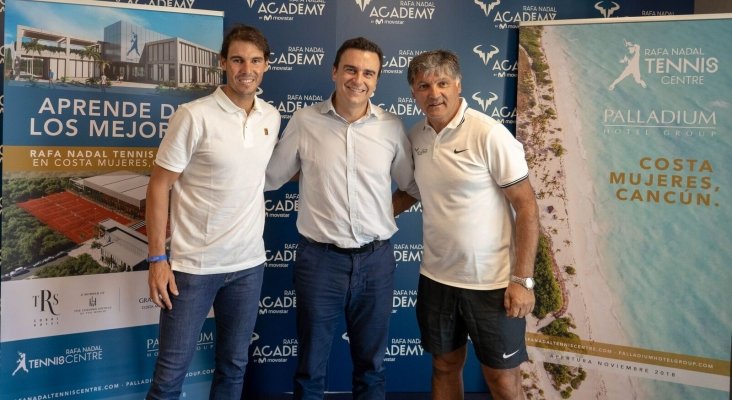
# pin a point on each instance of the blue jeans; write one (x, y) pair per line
(328, 284)
(235, 300)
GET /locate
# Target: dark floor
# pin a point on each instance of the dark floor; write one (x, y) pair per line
(415, 396)
(389, 396)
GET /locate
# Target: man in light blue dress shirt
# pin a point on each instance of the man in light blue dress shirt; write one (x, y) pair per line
(347, 151)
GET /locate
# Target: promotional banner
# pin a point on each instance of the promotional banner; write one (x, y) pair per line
(304, 37)
(87, 106)
(89, 86)
(627, 127)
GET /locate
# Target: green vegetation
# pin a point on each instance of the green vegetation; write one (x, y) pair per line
(34, 46)
(82, 265)
(560, 328)
(172, 88)
(526, 87)
(530, 40)
(557, 149)
(564, 378)
(561, 374)
(20, 190)
(25, 239)
(548, 293)
(577, 380)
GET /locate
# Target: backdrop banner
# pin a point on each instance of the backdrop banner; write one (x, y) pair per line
(627, 127)
(88, 89)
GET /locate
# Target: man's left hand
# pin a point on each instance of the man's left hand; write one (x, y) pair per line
(518, 300)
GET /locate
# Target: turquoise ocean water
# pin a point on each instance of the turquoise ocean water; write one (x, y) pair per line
(668, 264)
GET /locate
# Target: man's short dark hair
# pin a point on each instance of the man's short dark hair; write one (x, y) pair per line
(359, 43)
(434, 61)
(245, 33)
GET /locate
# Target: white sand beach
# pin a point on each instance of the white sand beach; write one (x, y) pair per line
(566, 202)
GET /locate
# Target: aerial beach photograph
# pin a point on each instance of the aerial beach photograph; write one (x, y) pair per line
(608, 236)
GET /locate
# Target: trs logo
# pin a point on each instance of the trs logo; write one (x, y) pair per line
(46, 301)
(487, 8)
(362, 4)
(486, 57)
(607, 12)
(485, 103)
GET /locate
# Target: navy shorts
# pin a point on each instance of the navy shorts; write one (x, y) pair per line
(447, 315)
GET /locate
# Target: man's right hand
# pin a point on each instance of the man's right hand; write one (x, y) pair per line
(161, 280)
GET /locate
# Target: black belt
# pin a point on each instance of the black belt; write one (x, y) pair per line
(353, 250)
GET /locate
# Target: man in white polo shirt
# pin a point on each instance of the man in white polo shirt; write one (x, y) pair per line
(213, 157)
(480, 234)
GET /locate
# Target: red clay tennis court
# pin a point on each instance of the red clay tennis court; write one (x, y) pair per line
(71, 215)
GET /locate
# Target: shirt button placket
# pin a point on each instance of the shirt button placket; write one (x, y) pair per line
(352, 180)
(435, 146)
(243, 125)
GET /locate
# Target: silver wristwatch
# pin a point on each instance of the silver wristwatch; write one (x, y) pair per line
(528, 283)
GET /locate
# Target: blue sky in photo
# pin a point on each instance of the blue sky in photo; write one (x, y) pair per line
(87, 21)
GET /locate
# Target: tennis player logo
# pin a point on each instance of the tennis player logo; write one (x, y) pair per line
(21, 363)
(251, 3)
(632, 65)
(133, 44)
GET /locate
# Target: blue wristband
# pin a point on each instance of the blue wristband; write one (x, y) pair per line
(164, 257)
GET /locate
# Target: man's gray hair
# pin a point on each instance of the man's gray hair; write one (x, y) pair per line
(434, 61)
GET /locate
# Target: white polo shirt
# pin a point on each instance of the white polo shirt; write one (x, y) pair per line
(217, 203)
(346, 172)
(467, 220)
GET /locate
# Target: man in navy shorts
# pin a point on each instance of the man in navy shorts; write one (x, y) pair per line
(481, 230)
